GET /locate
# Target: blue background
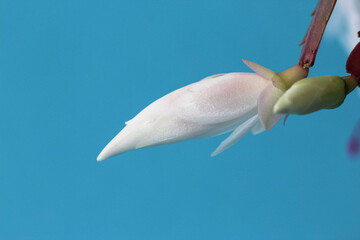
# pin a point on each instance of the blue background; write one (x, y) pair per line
(72, 72)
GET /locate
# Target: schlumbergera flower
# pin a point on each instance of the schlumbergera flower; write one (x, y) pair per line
(218, 104)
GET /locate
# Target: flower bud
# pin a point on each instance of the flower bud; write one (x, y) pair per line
(312, 94)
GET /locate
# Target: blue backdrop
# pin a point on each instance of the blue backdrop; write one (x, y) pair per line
(72, 72)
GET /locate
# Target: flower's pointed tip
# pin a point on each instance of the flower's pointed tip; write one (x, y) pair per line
(247, 62)
(116, 146)
(104, 154)
(216, 152)
(262, 71)
(266, 126)
(109, 151)
(253, 66)
(258, 128)
(269, 124)
(236, 135)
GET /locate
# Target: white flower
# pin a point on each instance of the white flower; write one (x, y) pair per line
(218, 104)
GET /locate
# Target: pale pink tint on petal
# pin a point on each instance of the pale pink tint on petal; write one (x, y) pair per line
(228, 97)
(266, 102)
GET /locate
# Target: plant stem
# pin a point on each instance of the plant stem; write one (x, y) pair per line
(316, 29)
(350, 82)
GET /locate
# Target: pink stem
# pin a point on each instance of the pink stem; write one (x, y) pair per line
(315, 32)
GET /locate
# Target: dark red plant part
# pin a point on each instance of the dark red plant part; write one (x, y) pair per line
(353, 62)
(316, 29)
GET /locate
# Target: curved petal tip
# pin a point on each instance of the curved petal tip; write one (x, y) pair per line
(116, 146)
(262, 71)
(105, 154)
(236, 135)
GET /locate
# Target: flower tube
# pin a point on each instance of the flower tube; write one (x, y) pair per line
(215, 105)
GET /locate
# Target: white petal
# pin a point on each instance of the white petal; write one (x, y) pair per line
(266, 102)
(262, 71)
(270, 75)
(207, 108)
(258, 128)
(225, 98)
(235, 136)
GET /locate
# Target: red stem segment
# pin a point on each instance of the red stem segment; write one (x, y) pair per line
(315, 32)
